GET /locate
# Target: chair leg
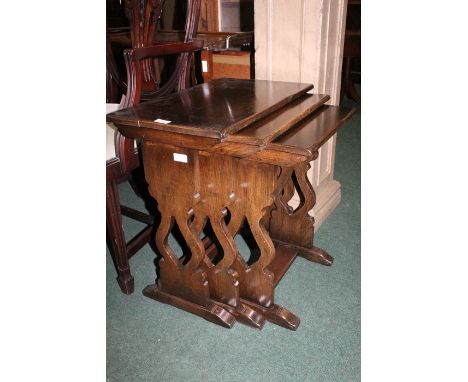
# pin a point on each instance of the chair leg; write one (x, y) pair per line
(117, 238)
(347, 83)
(345, 78)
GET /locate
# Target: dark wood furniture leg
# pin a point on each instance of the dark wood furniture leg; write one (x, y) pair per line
(347, 85)
(185, 283)
(117, 238)
(217, 176)
(295, 228)
(254, 188)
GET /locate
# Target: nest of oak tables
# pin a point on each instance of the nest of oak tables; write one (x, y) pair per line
(230, 154)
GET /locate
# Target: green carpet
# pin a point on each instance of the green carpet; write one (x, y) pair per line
(151, 341)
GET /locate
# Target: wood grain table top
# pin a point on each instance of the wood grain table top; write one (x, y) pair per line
(268, 121)
(215, 109)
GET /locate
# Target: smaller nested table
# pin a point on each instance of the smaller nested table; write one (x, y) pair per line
(232, 153)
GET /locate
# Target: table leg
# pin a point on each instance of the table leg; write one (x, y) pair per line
(223, 282)
(296, 227)
(174, 185)
(347, 85)
(217, 174)
(202, 189)
(254, 189)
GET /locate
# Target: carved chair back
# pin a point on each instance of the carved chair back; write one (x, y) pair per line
(142, 75)
(144, 19)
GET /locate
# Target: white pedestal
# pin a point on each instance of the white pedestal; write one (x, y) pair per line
(302, 41)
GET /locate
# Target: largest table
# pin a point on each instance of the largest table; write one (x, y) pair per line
(232, 153)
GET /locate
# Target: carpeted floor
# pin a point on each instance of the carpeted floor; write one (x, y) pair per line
(151, 341)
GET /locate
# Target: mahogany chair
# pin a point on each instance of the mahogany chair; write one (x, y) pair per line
(142, 83)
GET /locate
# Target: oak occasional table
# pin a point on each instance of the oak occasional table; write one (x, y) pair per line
(232, 153)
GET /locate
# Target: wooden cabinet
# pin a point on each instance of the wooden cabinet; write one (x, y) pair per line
(228, 49)
(224, 54)
(226, 16)
(230, 56)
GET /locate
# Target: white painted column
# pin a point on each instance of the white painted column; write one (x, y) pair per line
(302, 41)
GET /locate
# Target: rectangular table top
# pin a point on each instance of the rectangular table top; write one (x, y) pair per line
(215, 109)
(266, 121)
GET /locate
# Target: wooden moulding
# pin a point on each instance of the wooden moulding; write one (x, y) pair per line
(287, 141)
(312, 132)
(280, 121)
(169, 138)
